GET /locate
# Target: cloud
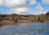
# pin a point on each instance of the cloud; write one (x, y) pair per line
(24, 10)
(19, 10)
(21, 6)
(1, 2)
(45, 1)
(40, 9)
(32, 1)
(12, 3)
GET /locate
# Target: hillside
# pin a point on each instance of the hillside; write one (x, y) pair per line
(6, 19)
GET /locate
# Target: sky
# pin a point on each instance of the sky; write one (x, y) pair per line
(24, 7)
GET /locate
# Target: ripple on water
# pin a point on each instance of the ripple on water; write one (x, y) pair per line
(25, 29)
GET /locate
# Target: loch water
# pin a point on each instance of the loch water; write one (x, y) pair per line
(34, 28)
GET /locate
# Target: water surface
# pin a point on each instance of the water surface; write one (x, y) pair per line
(26, 29)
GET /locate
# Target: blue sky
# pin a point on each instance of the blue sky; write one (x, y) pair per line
(24, 6)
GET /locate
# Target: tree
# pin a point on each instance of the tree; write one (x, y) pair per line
(47, 13)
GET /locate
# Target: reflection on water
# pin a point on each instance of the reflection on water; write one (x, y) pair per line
(26, 29)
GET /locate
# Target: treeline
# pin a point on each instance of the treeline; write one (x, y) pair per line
(6, 19)
(19, 18)
(44, 17)
(24, 18)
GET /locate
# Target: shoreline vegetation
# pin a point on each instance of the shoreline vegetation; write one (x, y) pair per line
(6, 19)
